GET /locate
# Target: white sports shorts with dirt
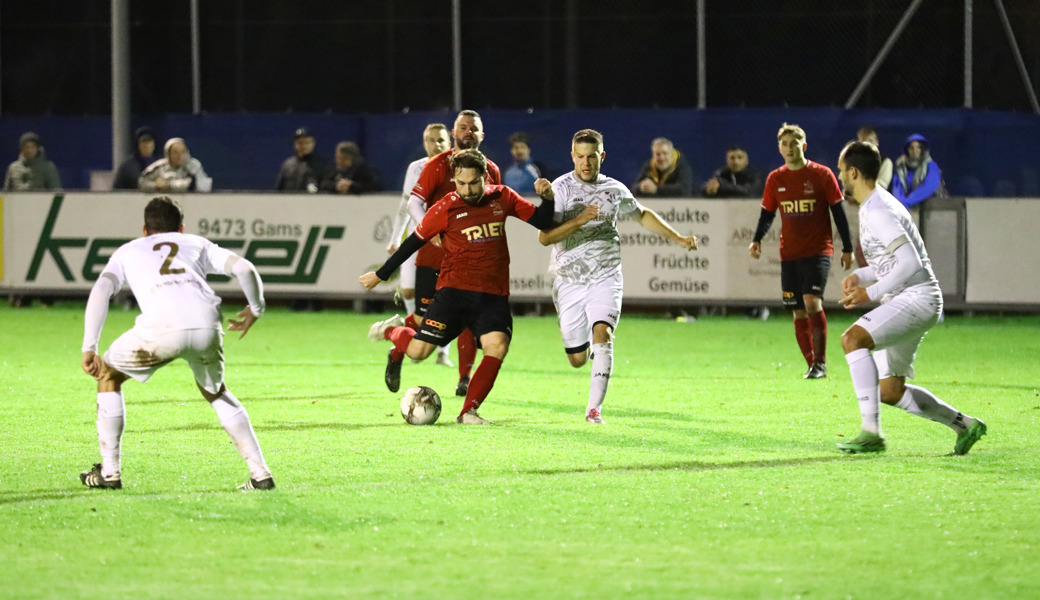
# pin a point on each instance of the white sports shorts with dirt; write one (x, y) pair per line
(580, 306)
(899, 325)
(141, 351)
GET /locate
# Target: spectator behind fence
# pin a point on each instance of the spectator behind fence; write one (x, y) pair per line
(305, 170)
(737, 179)
(667, 174)
(525, 171)
(916, 177)
(867, 133)
(31, 170)
(353, 174)
(129, 172)
(178, 172)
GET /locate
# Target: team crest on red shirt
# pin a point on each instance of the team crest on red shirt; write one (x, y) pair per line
(809, 187)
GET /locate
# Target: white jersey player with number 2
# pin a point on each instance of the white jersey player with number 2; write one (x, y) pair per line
(180, 318)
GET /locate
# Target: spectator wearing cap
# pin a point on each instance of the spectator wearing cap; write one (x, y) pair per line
(130, 170)
(305, 170)
(353, 174)
(32, 170)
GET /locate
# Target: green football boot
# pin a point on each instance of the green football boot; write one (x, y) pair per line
(864, 442)
(967, 439)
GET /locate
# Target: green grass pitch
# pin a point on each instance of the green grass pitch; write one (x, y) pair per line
(716, 475)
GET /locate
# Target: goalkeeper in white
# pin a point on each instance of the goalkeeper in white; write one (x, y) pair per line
(900, 276)
(180, 318)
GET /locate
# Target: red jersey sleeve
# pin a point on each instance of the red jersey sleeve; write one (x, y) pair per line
(494, 174)
(435, 221)
(831, 191)
(769, 201)
(429, 178)
(520, 207)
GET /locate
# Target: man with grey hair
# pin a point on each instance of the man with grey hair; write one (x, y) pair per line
(352, 173)
(667, 174)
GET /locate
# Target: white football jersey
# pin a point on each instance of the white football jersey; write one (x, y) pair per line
(167, 274)
(883, 220)
(593, 252)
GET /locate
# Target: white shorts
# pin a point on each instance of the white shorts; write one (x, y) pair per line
(899, 325)
(407, 274)
(581, 306)
(140, 352)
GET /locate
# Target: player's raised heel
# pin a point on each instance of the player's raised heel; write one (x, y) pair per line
(262, 484)
(377, 332)
(967, 439)
(863, 443)
(94, 479)
(463, 387)
(392, 377)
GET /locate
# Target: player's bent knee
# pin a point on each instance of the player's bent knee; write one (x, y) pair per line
(892, 390)
(856, 338)
(578, 360)
(109, 379)
(208, 395)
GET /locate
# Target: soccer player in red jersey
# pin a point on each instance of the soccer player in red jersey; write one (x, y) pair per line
(435, 182)
(802, 191)
(473, 286)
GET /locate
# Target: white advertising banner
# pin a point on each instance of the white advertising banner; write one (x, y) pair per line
(319, 244)
(1002, 251)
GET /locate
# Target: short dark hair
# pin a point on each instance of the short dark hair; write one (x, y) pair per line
(736, 148)
(588, 136)
(864, 156)
(163, 214)
(519, 137)
(866, 130)
(348, 149)
(469, 159)
(467, 113)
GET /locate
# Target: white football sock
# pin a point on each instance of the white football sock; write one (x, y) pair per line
(409, 304)
(865, 381)
(111, 418)
(443, 350)
(918, 401)
(235, 420)
(602, 367)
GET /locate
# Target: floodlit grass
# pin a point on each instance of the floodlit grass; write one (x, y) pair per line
(716, 475)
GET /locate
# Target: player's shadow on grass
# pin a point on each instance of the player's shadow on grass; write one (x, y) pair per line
(249, 399)
(696, 465)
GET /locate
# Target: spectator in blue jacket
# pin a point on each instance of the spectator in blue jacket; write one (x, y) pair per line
(916, 176)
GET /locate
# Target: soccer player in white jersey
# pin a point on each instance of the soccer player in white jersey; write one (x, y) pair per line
(180, 318)
(435, 141)
(900, 276)
(586, 259)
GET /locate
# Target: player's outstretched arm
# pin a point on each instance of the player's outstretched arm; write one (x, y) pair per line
(653, 222)
(409, 247)
(253, 288)
(565, 229)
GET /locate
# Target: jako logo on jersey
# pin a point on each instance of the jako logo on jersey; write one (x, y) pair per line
(265, 254)
(806, 205)
(435, 324)
(487, 230)
(462, 214)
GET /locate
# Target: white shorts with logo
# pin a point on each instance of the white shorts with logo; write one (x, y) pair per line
(580, 306)
(898, 327)
(141, 351)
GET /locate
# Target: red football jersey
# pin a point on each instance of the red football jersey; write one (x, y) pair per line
(476, 255)
(435, 182)
(804, 198)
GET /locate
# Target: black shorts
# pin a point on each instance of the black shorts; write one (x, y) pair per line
(425, 288)
(453, 310)
(803, 276)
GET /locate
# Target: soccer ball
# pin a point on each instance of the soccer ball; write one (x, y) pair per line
(420, 405)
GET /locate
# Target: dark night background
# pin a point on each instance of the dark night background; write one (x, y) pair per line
(376, 71)
(383, 56)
